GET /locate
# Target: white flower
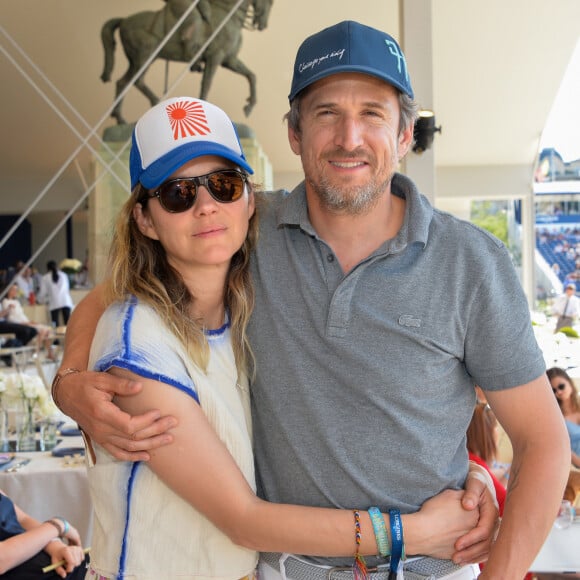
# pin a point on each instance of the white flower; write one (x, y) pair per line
(21, 387)
(71, 265)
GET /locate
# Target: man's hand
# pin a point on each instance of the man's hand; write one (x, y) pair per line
(87, 397)
(474, 546)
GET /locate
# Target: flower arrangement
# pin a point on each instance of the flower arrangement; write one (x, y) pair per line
(18, 388)
(71, 266)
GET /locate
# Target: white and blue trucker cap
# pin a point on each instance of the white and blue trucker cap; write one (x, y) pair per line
(350, 47)
(176, 131)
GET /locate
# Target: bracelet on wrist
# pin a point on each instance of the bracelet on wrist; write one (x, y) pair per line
(56, 382)
(380, 530)
(65, 525)
(58, 528)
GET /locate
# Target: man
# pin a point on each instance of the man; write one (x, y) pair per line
(24, 333)
(567, 307)
(375, 316)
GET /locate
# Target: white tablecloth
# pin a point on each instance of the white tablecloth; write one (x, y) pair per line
(561, 551)
(46, 488)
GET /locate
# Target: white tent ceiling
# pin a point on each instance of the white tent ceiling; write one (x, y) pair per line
(497, 66)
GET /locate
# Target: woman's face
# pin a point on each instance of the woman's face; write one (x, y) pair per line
(562, 388)
(206, 235)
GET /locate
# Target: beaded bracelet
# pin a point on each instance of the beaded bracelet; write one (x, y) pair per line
(380, 531)
(397, 544)
(359, 567)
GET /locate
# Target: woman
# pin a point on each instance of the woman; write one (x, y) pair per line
(55, 290)
(180, 296)
(567, 397)
(27, 546)
(482, 435)
(16, 314)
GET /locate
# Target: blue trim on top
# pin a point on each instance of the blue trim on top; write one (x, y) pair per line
(218, 331)
(126, 359)
(106, 364)
(123, 555)
(128, 319)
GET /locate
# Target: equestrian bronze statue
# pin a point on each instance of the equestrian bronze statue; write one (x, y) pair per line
(142, 33)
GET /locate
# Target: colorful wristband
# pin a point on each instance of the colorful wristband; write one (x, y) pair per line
(359, 567)
(380, 530)
(65, 525)
(396, 541)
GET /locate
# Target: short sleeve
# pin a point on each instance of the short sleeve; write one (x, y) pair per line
(131, 336)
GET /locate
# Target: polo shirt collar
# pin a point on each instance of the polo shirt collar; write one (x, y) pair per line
(415, 229)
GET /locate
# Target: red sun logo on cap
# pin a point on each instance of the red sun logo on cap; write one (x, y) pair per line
(187, 119)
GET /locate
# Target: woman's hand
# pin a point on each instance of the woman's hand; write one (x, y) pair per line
(72, 555)
(440, 522)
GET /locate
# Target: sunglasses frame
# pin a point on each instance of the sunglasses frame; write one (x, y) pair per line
(559, 387)
(197, 181)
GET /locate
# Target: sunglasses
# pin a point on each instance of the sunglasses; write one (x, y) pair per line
(179, 195)
(559, 387)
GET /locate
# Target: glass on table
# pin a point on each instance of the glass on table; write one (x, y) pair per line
(48, 433)
(565, 515)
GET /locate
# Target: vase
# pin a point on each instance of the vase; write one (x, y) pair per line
(26, 435)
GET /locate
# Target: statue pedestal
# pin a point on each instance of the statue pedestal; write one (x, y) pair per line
(109, 195)
(256, 157)
(106, 201)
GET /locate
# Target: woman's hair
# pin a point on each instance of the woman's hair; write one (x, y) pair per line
(481, 433)
(139, 266)
(408, 110)
(52, 267)
(558, 372)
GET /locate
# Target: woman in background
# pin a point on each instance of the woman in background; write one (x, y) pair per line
(28, 545)
(567, 397)
(482, 436)
(55, 290)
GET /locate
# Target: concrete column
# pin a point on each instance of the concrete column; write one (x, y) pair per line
(417, 44)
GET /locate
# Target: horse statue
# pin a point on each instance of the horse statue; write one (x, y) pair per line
(142, 33)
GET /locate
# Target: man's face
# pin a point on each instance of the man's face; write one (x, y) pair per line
(349, 141)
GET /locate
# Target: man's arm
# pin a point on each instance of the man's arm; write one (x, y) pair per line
(87, 396)
(541, 462)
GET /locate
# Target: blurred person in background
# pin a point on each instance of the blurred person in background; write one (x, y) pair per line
(567, 308)
(55, 291)
(567, 396)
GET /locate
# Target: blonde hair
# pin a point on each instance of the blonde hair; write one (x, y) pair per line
(139, 267)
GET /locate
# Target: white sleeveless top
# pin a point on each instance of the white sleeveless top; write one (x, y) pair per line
(142, 529)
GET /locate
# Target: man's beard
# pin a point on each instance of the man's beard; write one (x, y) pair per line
(350, 200)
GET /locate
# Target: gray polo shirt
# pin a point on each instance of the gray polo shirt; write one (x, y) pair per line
(364, 384)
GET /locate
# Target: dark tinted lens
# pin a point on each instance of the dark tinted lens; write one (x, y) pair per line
(226, 186)
(177, 195)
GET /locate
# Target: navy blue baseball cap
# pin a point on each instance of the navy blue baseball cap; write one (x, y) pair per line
(350, 47)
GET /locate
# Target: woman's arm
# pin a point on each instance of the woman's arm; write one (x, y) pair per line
(208, 474)
(38, 536)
